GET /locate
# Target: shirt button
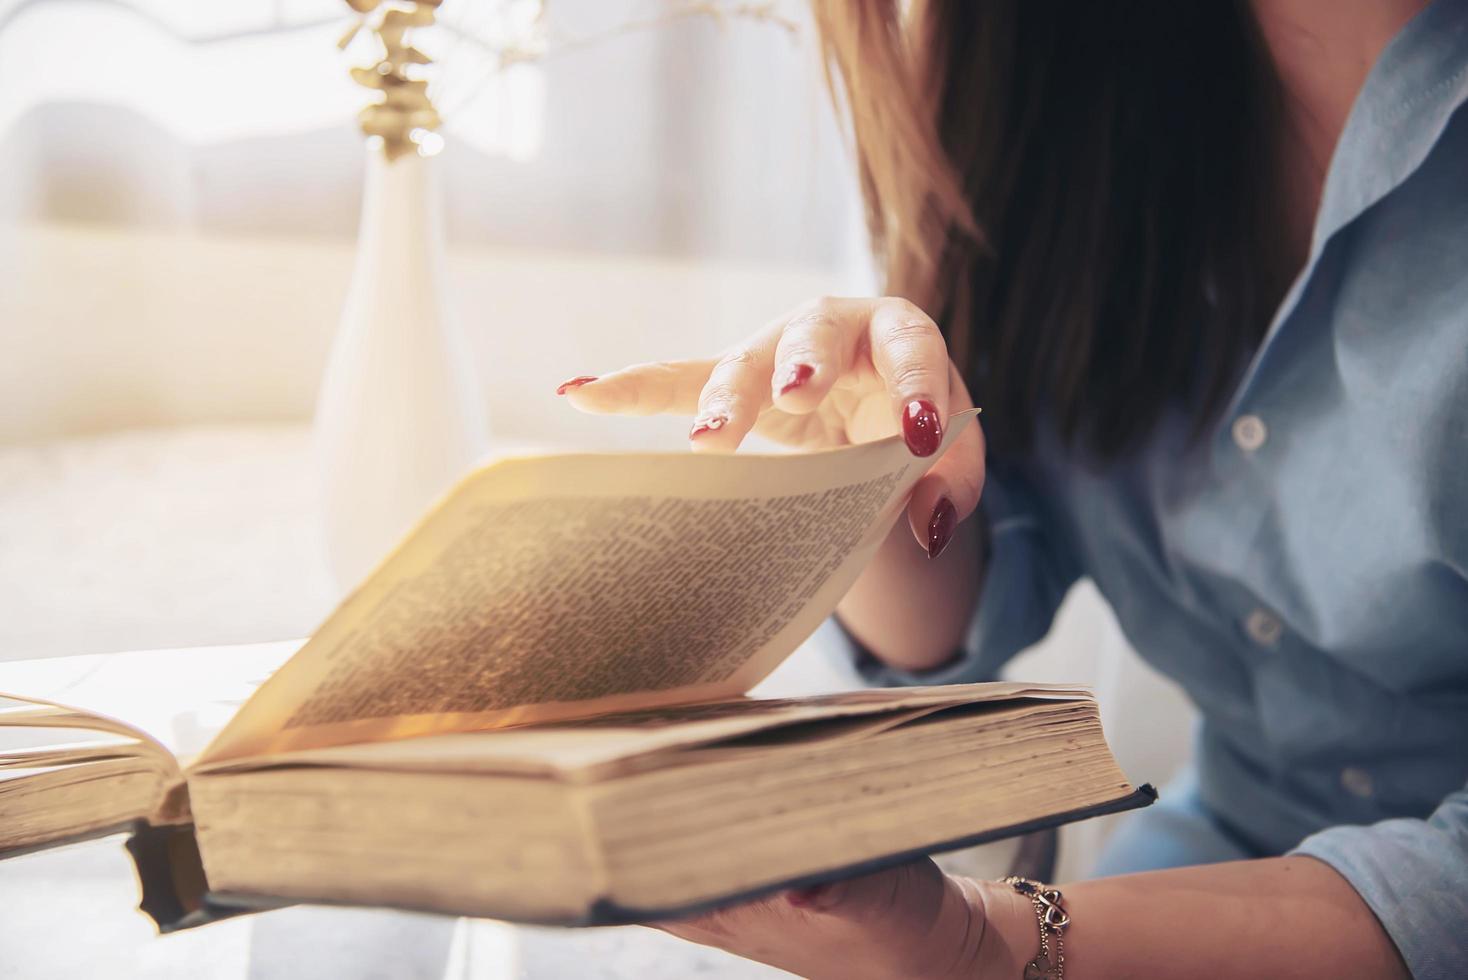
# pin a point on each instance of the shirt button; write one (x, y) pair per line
(1358, 782)
(1249, 432)
(1264, 628)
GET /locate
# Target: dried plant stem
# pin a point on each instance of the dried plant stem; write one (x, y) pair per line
(761, 11)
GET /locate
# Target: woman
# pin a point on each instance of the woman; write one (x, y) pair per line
(1206, 267)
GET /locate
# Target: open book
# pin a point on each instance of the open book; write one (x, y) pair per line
(534, 709)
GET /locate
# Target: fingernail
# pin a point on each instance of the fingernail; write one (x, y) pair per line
(940, 526)
(795, 377)
(707, 423)
(922, 428)
(575, 382)
(804, 898)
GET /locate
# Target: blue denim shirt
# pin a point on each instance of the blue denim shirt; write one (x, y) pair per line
(1303, 574)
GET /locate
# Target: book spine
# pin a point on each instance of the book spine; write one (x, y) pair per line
(175, 891)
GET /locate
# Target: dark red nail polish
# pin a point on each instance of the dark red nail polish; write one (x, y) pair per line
(795, 377)
(804, 898)
(922, 428)
(940, 526)
(575, 382)
(707, 423)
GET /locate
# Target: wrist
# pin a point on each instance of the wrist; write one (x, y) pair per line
(962, 924)
(908, 612)
(1009, 941)
(994, 923)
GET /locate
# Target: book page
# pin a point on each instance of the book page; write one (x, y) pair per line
(563, 586)
(178, 699)
(591, 748)
(39, 796)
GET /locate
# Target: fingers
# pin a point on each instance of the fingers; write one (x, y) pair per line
(794, 364)
(905, 921)
(920, 919)
(949, 492)
(879, 895)
(909, 353)
(725, 396)
(737, 390)
(662, 387)
(816, 348)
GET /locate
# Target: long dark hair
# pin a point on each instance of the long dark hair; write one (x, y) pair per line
(1080, 193)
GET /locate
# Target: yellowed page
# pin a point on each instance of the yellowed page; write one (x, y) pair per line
(178, 698)
(35, 714)
(586, 748)
(26, 773)
(155, 706)
(562, 586)
(73, 754)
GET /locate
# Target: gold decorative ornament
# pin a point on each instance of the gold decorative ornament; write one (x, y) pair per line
(405, 119)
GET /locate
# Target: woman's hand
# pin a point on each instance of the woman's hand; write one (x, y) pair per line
(833, 372)
(912, 922)
(1234, 919)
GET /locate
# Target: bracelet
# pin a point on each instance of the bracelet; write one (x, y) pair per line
(1053, 918)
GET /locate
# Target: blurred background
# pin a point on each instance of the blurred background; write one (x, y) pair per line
(203, 163)
(621, 180)
(181, 203)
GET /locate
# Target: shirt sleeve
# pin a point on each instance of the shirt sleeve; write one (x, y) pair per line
(1414, 876)
(1026, 576)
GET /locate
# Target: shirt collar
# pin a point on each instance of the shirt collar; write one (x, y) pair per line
(1404, 106)
(1410, 94)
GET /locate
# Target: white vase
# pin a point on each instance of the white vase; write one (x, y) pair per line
(399, 416)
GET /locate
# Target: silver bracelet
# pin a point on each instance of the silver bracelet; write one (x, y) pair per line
(1050, 963)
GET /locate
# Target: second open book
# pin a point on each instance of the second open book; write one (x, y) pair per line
(533, 709)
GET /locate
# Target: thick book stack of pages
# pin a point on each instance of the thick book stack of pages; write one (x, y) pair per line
(534, 709)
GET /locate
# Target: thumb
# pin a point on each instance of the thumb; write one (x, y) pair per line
(949, 492)
(913, 889)
(920, 916)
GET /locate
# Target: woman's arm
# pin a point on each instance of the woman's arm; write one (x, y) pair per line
(1282, 918)
(1289, 918)
(911, 611)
